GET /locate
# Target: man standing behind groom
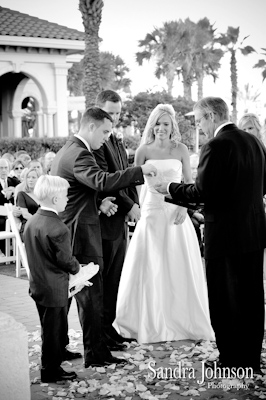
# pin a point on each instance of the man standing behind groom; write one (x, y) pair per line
(112, 157)
(231, 181)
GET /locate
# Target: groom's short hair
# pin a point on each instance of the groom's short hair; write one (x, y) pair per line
(214, 104)
(94, 114)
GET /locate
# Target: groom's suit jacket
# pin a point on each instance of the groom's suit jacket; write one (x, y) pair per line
(231, 182)
(77, 165)
(112, 157)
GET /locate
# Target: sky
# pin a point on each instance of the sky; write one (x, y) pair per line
(125, 22)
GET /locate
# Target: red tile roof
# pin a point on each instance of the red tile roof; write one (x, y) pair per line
(14, 23)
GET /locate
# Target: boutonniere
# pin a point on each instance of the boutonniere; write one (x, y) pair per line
(120, 141)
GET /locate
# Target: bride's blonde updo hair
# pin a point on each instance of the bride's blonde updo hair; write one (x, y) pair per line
(160, 110)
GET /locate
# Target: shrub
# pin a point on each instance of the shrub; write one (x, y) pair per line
(35, 147)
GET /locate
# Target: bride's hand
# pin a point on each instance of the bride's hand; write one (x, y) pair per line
(181, 215)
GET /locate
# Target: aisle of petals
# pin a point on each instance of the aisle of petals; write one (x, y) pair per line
(136, 379)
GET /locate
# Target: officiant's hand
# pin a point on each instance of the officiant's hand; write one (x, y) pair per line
(134, 213)
(161, 187)
(108, 207)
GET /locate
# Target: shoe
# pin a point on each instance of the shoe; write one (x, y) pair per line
(71, 355)
(115, 346)
(103, 363)
(114, 335)
(58, 375)
(115, 360)
(122, 339)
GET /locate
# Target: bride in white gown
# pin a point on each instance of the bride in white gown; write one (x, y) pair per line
(162, 293)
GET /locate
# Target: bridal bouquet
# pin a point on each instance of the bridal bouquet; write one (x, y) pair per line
(81, 279)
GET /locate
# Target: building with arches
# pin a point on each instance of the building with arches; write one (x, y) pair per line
(35, 56)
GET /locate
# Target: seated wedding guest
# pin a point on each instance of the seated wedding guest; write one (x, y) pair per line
(47, 161)
(25, 158)
(26, 202)
(36, 164)
(47, 242)
(7, 188)
(9, 157)
(17, 168)
(250, 123)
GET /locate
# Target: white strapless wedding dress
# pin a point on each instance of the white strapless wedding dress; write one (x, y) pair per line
(162, 293)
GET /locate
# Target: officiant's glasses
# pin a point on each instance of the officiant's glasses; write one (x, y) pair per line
(198, 121)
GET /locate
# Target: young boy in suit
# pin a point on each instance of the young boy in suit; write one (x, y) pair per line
(48, 247)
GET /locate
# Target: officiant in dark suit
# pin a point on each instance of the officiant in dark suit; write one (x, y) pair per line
(112, 157)
(76, 163)
(231, 181)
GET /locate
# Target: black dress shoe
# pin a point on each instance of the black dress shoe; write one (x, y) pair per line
(115, 346)
(57, 375)
(121, 339)
(115, 360)
(71, 355)
(92, 362)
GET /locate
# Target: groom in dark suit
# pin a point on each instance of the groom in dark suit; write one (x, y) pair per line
(231, 181)
(112, 157)
(76, 163)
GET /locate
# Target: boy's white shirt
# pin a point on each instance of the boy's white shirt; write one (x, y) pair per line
(48, 209)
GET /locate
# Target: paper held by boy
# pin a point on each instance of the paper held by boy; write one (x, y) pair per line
(81, 279)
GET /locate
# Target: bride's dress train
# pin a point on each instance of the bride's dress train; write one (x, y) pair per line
(163, 293)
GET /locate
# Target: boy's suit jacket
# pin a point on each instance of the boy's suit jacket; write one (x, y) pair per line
(48, 247)
(231, 182)
(112, 157)
(77, 165)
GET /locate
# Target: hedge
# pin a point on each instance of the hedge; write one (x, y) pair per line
(35, 147)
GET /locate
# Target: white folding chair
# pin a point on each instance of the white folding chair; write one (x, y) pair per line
(21, 256)
(9, 238)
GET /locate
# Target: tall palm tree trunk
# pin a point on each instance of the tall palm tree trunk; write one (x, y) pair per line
(200, 86)
(234, 89)
(91, 11)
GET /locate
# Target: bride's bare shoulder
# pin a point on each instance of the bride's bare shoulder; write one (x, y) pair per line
(180, 150)
(141, 154)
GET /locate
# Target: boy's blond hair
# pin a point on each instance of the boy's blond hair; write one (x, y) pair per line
(48, 186)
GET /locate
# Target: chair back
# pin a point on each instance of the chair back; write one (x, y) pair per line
(20, 248)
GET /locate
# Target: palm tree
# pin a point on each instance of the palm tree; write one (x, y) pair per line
(161, 45)
(206, 60)
(248, 96)
(91, 11)
(182, 48)
(262, 64)
(230, 40)
(112, 75)
(113, 72)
